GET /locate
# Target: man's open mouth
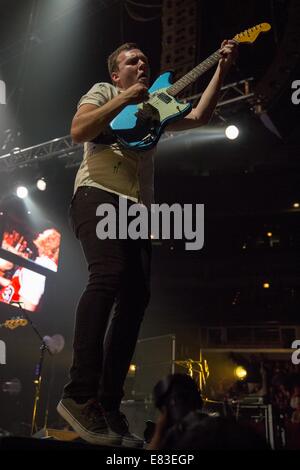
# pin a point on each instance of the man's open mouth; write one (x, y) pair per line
(143, 76)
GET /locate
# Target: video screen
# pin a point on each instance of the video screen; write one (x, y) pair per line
(20, 286)
(41, 247)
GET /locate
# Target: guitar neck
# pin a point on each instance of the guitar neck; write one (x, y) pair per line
(247, 37)
(194, 74)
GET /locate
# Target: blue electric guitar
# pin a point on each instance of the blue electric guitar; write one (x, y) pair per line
(139, 127)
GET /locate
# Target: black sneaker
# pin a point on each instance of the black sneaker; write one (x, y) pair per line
(117, 423)
(88, 421)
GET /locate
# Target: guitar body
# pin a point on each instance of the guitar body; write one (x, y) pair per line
(139, 127)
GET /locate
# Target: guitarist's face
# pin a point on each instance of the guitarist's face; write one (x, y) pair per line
(133, 68)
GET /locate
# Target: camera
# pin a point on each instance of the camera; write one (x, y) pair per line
(178, 395)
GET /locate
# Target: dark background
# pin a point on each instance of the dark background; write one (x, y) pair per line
(51, 53)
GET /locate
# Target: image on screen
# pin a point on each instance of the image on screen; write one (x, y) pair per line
(41, 247)
(20, 286)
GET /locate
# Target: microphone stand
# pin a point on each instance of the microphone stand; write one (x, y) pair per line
(38, 369)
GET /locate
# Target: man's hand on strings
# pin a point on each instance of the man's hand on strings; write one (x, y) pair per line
(229, 53)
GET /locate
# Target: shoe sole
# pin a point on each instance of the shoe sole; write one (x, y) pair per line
(89, 436)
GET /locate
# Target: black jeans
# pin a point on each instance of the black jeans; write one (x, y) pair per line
(119, 276)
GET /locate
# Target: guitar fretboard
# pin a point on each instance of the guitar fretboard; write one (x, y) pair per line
(195, 73)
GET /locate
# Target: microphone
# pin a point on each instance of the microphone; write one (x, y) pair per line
(54, 343)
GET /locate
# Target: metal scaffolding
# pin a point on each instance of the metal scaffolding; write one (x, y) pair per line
(231, 93)
(60, 148)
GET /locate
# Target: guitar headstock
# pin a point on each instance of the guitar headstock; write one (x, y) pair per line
(250, 35)
(15, 322)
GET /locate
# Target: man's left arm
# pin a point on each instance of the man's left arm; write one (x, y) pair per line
(202, 113)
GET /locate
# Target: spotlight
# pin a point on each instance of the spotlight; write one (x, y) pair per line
(296, 205)
(240, 372)
(41, 184)
(22, 192)
(266, 285)
(231, 132)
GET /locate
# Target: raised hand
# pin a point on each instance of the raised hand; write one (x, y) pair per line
(229, 52)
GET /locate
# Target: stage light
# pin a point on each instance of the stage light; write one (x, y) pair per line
(41, 184)
(240, 372)
(266, 285)
(296, 205)
(269, 234)
(231, 132)
(22, 192)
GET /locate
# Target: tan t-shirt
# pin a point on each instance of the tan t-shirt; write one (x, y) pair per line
(111, 167)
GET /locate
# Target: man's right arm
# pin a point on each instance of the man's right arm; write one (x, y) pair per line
(90, 119)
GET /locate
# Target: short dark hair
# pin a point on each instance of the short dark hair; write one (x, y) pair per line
(112, 59)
